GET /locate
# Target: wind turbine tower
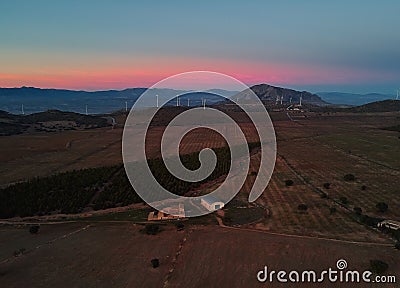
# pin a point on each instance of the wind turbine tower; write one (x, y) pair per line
(188, 99)
(204, 104)
(86, 110)
(22, 109)
(301, 98)
(281, 99)
(397, 97)
(157, 100)
(126, 106)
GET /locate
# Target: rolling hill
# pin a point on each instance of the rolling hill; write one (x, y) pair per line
(270, 93)
(352, 98)
(98, 102)
(378, 106)
(49, 121)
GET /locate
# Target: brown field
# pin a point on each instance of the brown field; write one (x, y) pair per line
(118, 255)
(312, 150)
(41, 154)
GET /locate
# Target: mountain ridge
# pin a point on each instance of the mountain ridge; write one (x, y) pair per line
(272, 93)
(354, 99)
(105, 101)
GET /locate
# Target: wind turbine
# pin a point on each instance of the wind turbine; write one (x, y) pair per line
(22, 109)
(157, 100)
(188, 99)
(86, 110)
(301, 98)
(277, 100)
(290, 100)
(281, 99)
(204, 104)
(126, 106)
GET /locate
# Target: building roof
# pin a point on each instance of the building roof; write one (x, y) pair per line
(209, 199)
(392, 222)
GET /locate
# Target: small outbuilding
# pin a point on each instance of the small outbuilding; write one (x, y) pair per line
(389, 224)
(172, 212)
(211, 203)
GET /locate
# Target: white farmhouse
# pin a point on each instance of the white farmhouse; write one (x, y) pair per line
(211, 203)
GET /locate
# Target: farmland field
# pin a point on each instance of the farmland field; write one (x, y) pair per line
(108, 248)
(118, 255)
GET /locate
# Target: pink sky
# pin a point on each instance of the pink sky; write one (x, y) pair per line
(145, 72)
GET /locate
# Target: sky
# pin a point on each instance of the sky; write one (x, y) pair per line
(347, 46)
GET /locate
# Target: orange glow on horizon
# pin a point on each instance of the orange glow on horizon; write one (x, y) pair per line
(103, 78)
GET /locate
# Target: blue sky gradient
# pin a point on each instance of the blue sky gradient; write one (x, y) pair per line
(349, 46)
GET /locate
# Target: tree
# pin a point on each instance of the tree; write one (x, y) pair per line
(344, 200)
(382, 207)
(152, 229)
(357, 210)
(180, 226)
(363, 187)
(302, 207)
(155, 262)
(19, 252)
(397, 245)
(289, 183)
(349, 177)
(324, 195)
(327, 185)
(34, 229)
(378, 266)
(332, 210)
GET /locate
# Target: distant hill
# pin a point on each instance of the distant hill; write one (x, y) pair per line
(38, 100)
(352, 98)
(374, 107)
(270, 93)
(379, 106)
(49, 121)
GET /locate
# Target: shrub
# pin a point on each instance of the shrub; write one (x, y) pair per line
(155, 262)
(289, 183)
(370, 221)
(253, 173)
(324, 195)
(397, 245)
(327, 185)
(344, 200)
(382, 207)
(152, 229)
(332, 210)
(302, 207)
(34, 229)
(363, 187)
(378, 266)
(19, 252)
(349, 177)
(357, 210)
(396, 235)
(180, 226)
